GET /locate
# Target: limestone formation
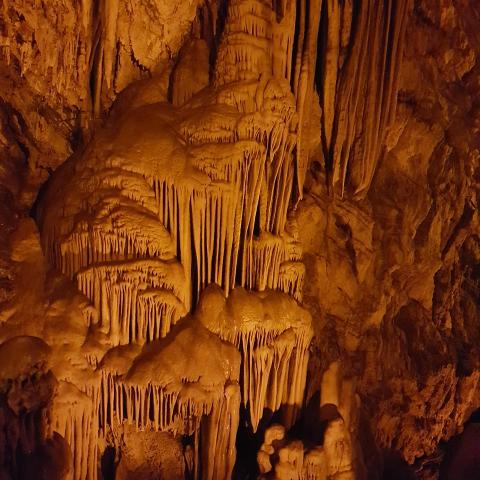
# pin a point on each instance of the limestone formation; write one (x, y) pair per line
(239, 239)
(273, 334)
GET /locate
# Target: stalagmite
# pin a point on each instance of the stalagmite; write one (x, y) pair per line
(282, 458)
(274, 438)
(338, 451)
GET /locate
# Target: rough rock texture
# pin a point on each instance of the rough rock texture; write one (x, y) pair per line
(395, 276)
(246, 212)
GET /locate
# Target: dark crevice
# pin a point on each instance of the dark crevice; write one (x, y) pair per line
(108, 465)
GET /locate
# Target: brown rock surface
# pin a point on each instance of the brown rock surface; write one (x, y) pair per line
(319, 162)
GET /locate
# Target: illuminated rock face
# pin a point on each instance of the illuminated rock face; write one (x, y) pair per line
(165, 201)
(260, 222)
(273, 334)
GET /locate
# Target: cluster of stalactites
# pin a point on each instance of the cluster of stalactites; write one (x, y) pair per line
(77, 416)
(213, 228)
(259, 40)
(257, 45)
(207, 226)
(247, 154)
(186, 384)
(274, 372)
(273, 334)
(74, 415)
(183, 411)
(276, 265)
(117, 230)
(137, 301)
(255, 153)
(256, 40)
(362, 53)
(153, 406)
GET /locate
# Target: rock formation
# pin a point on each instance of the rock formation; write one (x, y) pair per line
(239, 239)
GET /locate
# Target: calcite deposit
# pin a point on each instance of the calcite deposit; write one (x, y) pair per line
(239, 239)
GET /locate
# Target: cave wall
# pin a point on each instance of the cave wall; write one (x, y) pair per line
(384, 194)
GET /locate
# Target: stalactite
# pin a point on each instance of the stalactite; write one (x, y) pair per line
(273, 333)
(333, 11)
(361, 88)
(169, 199)
(305, 75)
(275, 264)
(74, 415)
(138, 300)
(110, 36)
(163, 389)
(247, 179)
(219, 435)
